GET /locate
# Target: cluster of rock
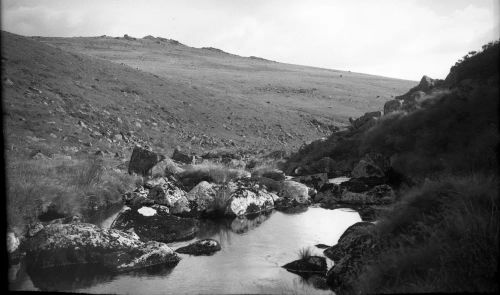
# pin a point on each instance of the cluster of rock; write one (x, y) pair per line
(367, 185)
(414, 97)
(68, 241)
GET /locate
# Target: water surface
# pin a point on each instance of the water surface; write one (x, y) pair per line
(253, 251)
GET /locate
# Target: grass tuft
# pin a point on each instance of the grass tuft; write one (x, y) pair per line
(305, 253)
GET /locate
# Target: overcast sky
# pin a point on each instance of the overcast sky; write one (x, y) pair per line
(394, 38)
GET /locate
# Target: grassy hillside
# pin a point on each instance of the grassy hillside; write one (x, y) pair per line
(196, 98)
(251, 96)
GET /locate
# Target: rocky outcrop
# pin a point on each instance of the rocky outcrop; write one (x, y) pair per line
(249, 198)
(392, 106)
(202, 247)
(82, 243)
(155, 224)
(307, 266)
(355, 244)
(366, 121)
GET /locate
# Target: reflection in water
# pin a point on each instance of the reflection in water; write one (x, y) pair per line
(242, 225)
(69, 277)
(253, 251)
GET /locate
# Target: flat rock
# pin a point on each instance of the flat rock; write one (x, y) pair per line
(82, 243)
(202, 247)
(161, 226)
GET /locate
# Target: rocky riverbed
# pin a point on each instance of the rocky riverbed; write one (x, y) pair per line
(178, 205)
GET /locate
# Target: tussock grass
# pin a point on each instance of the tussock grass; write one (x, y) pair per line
(71, 186)
(442, 237)
(222, 199)
(305, 253)
(208, 171)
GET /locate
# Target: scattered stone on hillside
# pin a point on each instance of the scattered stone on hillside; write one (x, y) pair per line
(82, 124)
(355, 244)
(161, 227)
(237, 164)
(307, 266)
(202, 247)
(315, 181)
(82, 243)
(392, 106)
(39, 156)
(8, 82)
(143, 160)
(118, 137)
(182, 157)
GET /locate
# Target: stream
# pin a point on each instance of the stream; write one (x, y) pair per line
(253, 251)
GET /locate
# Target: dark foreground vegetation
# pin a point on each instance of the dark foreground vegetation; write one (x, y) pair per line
(442, 233)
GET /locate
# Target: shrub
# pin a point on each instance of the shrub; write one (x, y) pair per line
(442, 237)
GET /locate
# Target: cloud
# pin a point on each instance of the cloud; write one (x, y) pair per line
(403, 39)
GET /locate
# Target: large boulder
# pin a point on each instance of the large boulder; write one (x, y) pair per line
(202, 247)
(156, 224)
(202, 197)
(295, 191)
(143, 160)
(166, 193)
(315, 181)
(82, 243)
(353, 248)
(250, 200)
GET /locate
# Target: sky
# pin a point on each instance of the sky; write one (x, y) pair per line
(395, 38)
